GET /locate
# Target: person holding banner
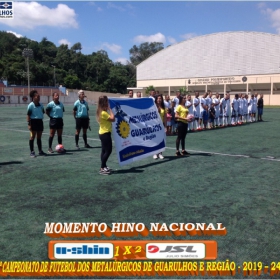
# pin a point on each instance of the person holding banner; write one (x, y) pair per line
(162, 112)
(182, 125)
(105, 120)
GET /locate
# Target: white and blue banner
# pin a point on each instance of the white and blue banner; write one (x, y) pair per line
(138, 130)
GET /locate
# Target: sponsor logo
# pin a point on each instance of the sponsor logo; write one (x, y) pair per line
(175, 251)
(6, 10)
(85, 250)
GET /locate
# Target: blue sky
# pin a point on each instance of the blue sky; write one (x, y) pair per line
(116, 26)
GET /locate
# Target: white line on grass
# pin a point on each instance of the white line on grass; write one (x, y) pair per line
(169, 148)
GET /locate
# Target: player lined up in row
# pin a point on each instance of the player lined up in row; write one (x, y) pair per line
(211, 110)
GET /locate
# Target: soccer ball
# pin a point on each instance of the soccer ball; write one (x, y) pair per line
(59, 148)
(190, 117)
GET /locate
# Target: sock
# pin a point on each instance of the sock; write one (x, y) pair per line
(39, 144)
(50, 141)
(77, 139)
(59, 139)
(85, 138)
(31, 145)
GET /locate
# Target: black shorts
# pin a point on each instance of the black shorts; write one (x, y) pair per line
(82, 123)
(56, 123)
(37, 125)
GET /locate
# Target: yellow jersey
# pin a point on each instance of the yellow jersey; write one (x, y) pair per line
(162, 113)
(105, 124)
(182, 112)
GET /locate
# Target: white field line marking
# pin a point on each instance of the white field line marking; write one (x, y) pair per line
(195, 151)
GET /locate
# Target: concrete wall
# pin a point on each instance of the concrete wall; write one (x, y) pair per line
(70, 98)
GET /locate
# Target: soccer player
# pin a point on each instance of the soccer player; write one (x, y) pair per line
(176, 99)
(225, 109)
(208, 103)
(203, 104)
(216, 103)
(105, 120)
(245, 108)
(234, 111)
(212, 115)
(189, 106)
(254, 107)
(54, 111)
(251, 108)
(152, 94)
(80, 112)
(196, 110)
(35, 115)
(241, 108)
(167, 102)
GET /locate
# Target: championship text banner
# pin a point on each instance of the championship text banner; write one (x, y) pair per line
(138, 130)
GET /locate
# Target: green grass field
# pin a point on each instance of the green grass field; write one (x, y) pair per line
(232, 177)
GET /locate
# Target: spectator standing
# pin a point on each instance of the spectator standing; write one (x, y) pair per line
(260, 108)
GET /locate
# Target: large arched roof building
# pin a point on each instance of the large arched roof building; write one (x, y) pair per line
(226, 61)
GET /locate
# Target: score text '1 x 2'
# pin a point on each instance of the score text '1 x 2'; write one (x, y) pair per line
(133, 250)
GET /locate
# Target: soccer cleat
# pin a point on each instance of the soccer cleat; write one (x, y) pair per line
(104, 172)
(41, 153)
(50, 151)
(155, 156)
(32, 154)
(87, 146)
(185, 153)
(77, 147)
(161, 156)
(178, 154)
(107, 169)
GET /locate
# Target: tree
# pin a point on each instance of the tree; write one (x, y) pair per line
(72, 82)
(148, 89)
(145, 50)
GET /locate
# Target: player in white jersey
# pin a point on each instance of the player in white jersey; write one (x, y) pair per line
(203, 105)
(167, 102)
(250, 108)
(209, 103)
(176, 99)
(240, 108)
(234, 110)
(245, 108)
(225, 109)
(196, 110)
(152, 94)
(216, 103)
(189, 106)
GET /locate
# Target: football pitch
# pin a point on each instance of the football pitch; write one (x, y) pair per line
(231, 177)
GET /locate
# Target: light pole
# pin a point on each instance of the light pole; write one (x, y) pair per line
(54, 74)
(28, 53)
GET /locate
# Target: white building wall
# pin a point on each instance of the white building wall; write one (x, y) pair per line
(220, 54)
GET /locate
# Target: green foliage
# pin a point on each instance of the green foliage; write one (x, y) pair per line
(145, 50)
(72, 68)
(183, 91)
(72, 82)
(148, 89)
